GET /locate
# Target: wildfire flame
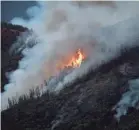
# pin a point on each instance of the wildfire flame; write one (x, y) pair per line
(76, 60)
(73, 61)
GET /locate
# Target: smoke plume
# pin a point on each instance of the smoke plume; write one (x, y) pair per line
(58, 30)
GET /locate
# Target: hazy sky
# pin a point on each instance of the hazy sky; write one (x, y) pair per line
(11, 9)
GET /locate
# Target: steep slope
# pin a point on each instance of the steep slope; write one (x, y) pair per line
(9, 34)
(86, 104)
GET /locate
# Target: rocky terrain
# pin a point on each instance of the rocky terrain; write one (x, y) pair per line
(86, 104)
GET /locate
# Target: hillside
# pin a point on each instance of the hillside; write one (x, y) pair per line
(9, 35)
(85, 104)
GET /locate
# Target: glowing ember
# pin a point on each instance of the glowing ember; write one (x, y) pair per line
(74, 61)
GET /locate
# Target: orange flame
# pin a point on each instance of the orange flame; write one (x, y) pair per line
(73, 61)
(76, 60)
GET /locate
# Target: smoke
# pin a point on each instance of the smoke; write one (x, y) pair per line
(60, 28)
(129, 99)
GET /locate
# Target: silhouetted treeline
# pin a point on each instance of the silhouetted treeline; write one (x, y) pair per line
(12, 26)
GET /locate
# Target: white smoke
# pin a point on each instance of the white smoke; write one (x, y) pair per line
(129, 99)
(62, 28)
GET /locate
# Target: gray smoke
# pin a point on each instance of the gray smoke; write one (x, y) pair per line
(60, 28)
(129, 99)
